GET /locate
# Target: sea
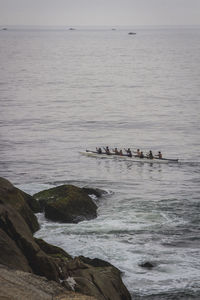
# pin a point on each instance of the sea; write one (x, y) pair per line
(64, 91)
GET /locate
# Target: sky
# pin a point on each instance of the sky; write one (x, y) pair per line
(99, 12)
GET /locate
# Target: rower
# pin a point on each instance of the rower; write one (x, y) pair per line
(128, 151)
(150, 155)
(99, 151)
(138, 152)
(120, 152)
(159, 155)
(141, 155)
(107, 150)
(116, 151)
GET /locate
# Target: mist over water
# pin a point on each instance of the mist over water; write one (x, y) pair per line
(64, 91)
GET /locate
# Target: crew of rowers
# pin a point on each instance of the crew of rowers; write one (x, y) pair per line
(128, 151)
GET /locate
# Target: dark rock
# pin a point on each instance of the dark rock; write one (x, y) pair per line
(67, 203)
(22, 202)
(52, 250)
(95, 262)
(147, 265)
(10, 254)
(24, 253)
(91, 191)
(32, 202)
(103, 282)
(91, 277)
(20, 250)
(13, 229)
(18, 285)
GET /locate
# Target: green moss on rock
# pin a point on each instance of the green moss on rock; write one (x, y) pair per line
(67, 203)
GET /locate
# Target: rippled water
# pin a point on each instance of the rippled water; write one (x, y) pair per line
(64, 91)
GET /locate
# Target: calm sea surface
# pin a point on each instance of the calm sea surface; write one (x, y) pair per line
(63, 91)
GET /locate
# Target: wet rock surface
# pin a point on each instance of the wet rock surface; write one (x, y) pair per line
(147, 265)
(94, 191)
(19, 250)
(67, 203)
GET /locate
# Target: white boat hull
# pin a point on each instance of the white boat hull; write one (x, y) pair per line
(127, 158)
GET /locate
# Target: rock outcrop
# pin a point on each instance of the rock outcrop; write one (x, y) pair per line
(98, 278)
(22, 202)
(67, 203)
(18, 285)
(19, 250)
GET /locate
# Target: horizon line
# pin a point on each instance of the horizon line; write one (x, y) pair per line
(111, 26)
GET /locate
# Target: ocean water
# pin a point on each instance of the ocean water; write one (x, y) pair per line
(62, 92)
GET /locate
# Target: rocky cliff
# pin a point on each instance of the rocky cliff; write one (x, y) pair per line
(19, 250)
(19, 285)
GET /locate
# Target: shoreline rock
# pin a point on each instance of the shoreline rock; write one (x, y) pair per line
(67, 203)
(25, 204)
(15, 285)
(19, 250)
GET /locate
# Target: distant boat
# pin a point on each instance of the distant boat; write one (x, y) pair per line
(132, 33)
(113, 28)
(72, 28)
(4, 28)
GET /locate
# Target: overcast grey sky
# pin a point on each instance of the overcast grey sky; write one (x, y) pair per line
(100, 12)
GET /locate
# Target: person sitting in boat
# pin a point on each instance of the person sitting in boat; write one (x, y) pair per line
(150, 155)
(116, 151)
(120, 152)
(159, 155)
(107, 150)
(141, 155)
(99, 151)
(138, 152)
(128, 151)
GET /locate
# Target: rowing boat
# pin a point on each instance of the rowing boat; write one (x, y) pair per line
(134, 158)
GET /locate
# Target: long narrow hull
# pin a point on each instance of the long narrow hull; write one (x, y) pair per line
(125, 157)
